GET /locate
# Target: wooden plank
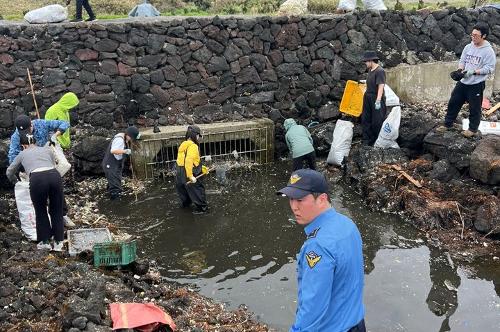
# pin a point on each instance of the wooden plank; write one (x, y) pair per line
(407, 176)
(492, 110)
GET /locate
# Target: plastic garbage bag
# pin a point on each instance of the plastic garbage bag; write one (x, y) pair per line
(47, 14)
(144, 10)
(374, 5)
(350, 5)
(25, 209)
(390, 130)
(62, 164)
(391, 99)
(341, 145)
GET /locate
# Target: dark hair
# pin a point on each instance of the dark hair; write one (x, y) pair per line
(483, 28)
(374, 60)
(316, 195)
(26, 139)
(192, 135)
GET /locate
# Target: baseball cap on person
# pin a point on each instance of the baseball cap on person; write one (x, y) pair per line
(133, 133)
(304, 182)
(22, 122)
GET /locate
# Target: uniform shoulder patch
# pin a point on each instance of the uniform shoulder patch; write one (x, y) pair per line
(312, 259)
(312, 234)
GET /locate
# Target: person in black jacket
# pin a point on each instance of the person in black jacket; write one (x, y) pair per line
(374, 108)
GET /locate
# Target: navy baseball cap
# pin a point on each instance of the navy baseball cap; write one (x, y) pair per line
(304, 182)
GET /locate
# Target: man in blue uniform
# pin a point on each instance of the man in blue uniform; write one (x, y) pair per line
(330, 262)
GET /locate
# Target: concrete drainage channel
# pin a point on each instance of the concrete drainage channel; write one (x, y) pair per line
(250, 141)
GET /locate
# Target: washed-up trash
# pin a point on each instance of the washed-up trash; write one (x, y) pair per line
(47, 14)
(144, 10)
(145, 317)
(486, 127)
(84, 239)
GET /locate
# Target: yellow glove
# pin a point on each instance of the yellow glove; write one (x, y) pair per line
(204, 169)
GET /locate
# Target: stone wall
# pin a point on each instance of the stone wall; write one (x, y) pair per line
(215, 68)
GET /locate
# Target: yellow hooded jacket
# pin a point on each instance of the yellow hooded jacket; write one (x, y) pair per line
(60, 111)
(189, 157)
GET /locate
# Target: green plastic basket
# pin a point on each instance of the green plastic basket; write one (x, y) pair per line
(114, 253)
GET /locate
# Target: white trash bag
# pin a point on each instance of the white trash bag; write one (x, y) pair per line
(47, 14)
(25, 209)
(390, 130)
(62, 164)
(341, 145)
(391, 99)
(374, 5)
(350, 5)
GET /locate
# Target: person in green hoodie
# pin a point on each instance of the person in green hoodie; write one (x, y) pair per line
(60, 111)
(300, 143)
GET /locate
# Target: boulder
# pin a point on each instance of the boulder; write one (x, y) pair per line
(322, 136)
(413, 129)
(89, 154)
(443, 171)
(485, 161)
(367, 157)
(293, 8)
(450, 145)
(488, 217)
(328, 112)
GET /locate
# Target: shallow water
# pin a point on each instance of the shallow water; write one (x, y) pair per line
(243, 252)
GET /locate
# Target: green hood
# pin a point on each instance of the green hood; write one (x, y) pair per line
(60, 111)
(289, 123)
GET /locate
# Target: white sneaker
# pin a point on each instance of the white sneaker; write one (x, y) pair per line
(68, 222)
(43, 246)
(58, 246)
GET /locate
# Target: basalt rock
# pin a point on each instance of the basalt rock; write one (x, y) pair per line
(485, 161)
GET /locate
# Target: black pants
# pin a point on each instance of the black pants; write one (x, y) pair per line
(473, 94)
(309, 159)
(114, 176)
(47, 186)
(193, 193)
(85, 4)
(372, 119)
(360, 327)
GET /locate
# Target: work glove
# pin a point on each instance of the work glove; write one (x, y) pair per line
(127, 151)
(378, 105)
(192, 179)
(468, 73)
(53, 138)
(204, 170)
(457, 75)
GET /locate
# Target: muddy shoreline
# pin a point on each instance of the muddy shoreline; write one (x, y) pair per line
(49, 292)
(43, 291)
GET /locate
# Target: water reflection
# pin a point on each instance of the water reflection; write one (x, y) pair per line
(244, 252)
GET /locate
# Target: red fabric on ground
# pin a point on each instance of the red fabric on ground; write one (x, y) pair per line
(142, 316)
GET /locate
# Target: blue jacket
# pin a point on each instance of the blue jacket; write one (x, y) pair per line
(330, 276)
(42, 130)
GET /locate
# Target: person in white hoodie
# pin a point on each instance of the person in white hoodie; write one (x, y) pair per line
(476, 63)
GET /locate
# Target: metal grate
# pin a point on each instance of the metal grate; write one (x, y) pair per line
(246, 145)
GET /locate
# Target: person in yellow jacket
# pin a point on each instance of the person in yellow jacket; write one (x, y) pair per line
(190, 188)
(60, 111)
